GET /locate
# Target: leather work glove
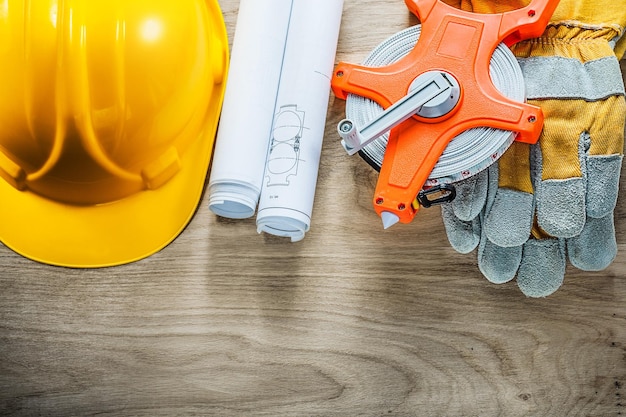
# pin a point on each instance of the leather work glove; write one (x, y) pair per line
(545, 203)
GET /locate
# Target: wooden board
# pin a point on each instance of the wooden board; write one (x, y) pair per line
(351, 321)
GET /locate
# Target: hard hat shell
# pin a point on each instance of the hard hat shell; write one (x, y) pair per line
(108, 112)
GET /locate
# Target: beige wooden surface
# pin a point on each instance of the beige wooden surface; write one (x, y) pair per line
(352, 321)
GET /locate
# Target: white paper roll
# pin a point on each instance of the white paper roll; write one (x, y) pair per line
(286, 201)
(244, 132)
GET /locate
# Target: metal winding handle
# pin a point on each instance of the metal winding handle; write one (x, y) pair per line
(433, 94)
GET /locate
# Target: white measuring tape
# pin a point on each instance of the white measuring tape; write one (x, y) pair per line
(468, 153)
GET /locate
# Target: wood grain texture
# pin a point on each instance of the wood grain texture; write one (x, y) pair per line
(351, 321)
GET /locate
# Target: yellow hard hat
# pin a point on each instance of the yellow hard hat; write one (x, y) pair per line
(108, 112)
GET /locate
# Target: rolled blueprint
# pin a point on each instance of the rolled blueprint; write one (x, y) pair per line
(249, 102)
(286, 201)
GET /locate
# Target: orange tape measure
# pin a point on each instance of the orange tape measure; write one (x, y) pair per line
(438, 90)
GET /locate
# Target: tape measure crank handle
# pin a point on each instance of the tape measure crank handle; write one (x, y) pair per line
(432, 94)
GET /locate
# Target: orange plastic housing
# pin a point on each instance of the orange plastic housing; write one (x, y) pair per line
(459, 43)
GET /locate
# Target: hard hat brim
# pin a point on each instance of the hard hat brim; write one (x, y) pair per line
(110, 234)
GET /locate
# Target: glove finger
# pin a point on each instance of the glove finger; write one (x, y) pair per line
(603, 156)
(542, 268)
(509, 216)
(462, 235)
(498, 264)
(560, 196)
(471, 194)
(596, 247)
(461, 216)
(603, 174)
(509, 221)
